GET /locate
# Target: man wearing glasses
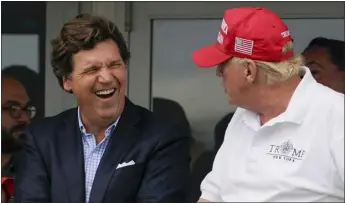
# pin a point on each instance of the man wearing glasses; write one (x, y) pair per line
(16, 113)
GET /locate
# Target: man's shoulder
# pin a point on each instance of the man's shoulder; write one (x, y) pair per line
(51, 122)
(322, 90)
(326, 108)
(329, 99)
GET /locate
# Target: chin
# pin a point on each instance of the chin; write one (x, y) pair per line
(110, 109)
(110, 113)
(231, 101)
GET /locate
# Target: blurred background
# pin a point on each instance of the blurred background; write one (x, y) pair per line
(161, 37)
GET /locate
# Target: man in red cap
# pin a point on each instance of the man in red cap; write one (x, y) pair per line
(286, 139)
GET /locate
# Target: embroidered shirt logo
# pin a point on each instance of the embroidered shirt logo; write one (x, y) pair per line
(286, 151)
(286, 147)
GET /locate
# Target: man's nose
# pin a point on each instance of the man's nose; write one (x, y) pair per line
(105, 75)
(24, 117)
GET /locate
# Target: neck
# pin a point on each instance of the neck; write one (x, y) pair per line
(96, 126)
(5, 158)
(273, 100)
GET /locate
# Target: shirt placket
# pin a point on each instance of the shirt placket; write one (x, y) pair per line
(91, 142)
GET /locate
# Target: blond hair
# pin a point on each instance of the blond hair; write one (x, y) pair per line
(277, 71)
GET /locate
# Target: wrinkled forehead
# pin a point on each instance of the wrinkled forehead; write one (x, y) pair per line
(13, 91)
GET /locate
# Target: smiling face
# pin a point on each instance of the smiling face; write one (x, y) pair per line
(98, 81)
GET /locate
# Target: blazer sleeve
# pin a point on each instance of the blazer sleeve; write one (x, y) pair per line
(167, 172)
(31, 181)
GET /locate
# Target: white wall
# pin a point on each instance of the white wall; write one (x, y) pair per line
(27, 54)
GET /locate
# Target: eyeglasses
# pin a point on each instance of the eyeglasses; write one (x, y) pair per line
(16, 111)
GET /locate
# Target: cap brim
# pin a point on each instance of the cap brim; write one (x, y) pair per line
(209, 56)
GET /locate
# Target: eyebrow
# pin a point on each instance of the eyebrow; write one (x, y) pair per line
(114, 61)
(90, 65)
(13, 102)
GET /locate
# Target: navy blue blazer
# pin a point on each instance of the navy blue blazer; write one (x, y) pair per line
(50, 166)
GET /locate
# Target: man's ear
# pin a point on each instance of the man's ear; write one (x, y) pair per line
(251, 71)
(67, 83)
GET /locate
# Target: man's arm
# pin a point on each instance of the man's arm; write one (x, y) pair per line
(210, 185)
(167, 175)
(31, 181)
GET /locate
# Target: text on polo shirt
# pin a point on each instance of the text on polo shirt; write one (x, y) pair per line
(286, 151)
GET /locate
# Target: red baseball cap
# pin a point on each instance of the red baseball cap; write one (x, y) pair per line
(248, 32)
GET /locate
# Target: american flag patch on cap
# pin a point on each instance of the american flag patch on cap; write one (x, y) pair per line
(244, 46)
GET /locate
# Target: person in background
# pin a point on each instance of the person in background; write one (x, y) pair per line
(173, 111)
(31, 81)
(325, 58)
(203, 165)
(285, 142)
(107, 149)
(16, 113)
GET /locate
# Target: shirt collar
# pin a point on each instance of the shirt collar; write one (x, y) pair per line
(297, 107)
(109, 130)
(300, 100)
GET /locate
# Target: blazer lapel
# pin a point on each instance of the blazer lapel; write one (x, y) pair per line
(121, 141)
(70, 156)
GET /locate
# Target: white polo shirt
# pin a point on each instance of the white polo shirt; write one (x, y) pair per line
(297, 156)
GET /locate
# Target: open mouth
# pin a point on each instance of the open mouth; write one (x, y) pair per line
(104, 94)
